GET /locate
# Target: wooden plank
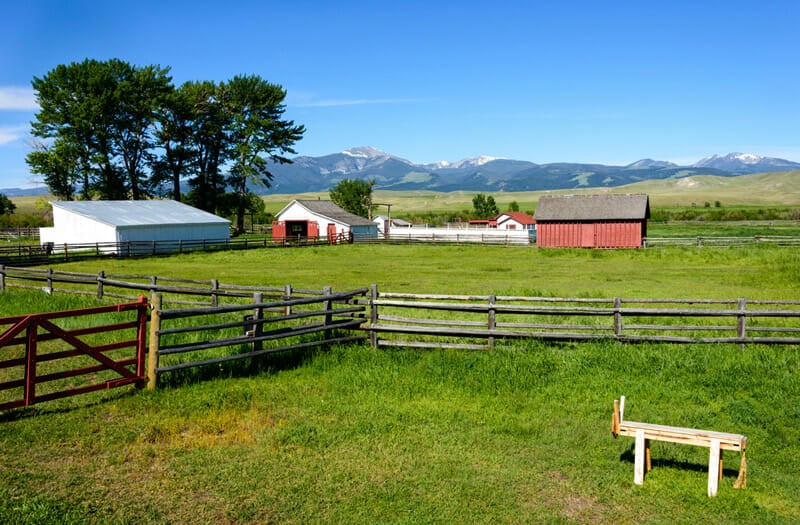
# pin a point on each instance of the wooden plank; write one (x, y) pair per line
(688, 436)
(638, 462)
(714, 467)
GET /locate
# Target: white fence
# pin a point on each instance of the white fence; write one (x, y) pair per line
(462, 235)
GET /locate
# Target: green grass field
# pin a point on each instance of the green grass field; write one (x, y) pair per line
(764, 189)
(520, 434)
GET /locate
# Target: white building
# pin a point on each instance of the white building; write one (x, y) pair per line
(117, 222)
(318, 219)
(385, 224)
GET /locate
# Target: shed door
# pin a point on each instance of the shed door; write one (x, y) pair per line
(331, 232)
(278, 231)
(587, 235)
(313, 230)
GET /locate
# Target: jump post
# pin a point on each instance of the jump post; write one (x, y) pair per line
(716, 442)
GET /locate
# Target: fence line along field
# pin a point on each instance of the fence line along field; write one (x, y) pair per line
(515, 434)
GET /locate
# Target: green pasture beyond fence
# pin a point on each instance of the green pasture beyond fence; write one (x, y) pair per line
(37, 254)
(196, 323)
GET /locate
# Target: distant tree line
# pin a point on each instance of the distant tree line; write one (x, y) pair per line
(112, 130)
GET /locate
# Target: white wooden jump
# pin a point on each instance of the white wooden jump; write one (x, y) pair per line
(645, 432)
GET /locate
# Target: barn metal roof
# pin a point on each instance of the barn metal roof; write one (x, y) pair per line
(593, 207)
(123, 214)
(330, 210)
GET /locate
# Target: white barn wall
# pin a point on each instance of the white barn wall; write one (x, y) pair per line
(76, 229)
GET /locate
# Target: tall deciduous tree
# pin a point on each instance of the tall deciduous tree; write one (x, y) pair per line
(484, 207)
(103, 114)
(353, 195)
(257, 134)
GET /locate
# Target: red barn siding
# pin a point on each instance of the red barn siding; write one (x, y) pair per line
(604, 234)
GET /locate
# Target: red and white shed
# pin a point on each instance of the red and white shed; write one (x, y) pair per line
(320, 219)
(592, 221)
(514, 220)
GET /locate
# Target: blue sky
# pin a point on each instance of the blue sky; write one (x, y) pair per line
(549, 81)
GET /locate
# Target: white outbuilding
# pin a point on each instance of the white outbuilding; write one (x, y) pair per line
(320, 219)
(118, 222)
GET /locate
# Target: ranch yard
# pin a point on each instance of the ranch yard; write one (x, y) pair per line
(517, 434)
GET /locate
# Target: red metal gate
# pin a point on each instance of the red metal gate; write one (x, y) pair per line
(34, 345)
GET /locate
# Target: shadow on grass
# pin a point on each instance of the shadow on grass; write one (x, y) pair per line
(264, 365)
(629, 457)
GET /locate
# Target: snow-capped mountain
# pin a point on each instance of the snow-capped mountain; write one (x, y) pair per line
(650, 163)
(485, 173)
(746, 163)
(463, 163)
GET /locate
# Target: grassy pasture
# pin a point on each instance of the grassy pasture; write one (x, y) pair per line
(520, 434)
(763, 189)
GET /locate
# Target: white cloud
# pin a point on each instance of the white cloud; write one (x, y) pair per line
(10, 134)
(17, 99)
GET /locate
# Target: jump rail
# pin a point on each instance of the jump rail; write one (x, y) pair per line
(716, 442)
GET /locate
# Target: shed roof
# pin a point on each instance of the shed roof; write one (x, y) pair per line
(522, 218)
(330, 210)
(123, 214)
(593, 207)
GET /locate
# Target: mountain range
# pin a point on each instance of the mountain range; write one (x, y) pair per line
(307, 174)
(314, 174)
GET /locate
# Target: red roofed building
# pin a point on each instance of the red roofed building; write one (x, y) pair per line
(514, 220)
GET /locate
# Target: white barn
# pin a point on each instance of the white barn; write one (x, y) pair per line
(318, 219)
(90, 222)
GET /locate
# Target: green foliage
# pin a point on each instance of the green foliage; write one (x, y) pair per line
(484, 207)
(258, 135)
(353, 195)
(118, 131)
(7, 207)
(513, 206)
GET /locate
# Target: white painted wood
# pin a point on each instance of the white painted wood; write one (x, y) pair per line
(713, 468)
(638, 464)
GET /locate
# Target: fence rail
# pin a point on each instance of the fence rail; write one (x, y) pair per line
(187, 338)
(190, 292)
(458, 321)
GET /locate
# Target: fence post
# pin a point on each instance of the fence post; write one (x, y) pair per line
(2, 277)
(214, 289)
(373, 316)
(741, 321)
(287, 294)
(328, 305)
(617, 317)
(141, 341)
(492, 323)
(100, 276)
(49, 281)
(258, 315)
(152, 350)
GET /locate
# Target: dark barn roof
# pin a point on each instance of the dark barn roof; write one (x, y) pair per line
(330, 210)
(593, 207)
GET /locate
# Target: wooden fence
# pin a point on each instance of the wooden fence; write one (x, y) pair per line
(28, 254)
(706, 241)
(193, 337)
(476, 322)
(188, 292)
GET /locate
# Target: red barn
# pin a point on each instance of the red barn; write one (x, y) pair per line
(592, 221)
